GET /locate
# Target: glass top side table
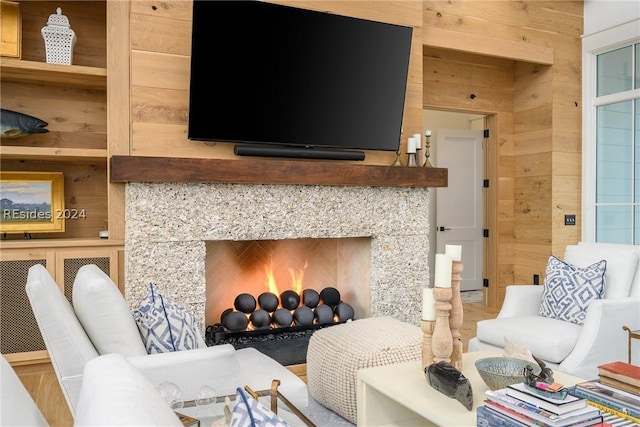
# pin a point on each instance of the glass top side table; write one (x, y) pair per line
(216, 413)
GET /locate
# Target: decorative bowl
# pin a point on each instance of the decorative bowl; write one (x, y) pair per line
(499, 372)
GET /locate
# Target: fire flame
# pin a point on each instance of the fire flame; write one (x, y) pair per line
(296, 283)
(297, 279)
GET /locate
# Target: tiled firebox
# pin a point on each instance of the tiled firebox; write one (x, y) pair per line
(168, 226)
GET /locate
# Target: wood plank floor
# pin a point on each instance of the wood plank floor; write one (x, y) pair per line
(42, 384)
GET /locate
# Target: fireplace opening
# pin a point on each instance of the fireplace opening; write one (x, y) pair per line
(273, 294)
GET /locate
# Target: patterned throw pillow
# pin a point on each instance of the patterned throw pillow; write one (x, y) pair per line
(164, 326)
(568, 289)
(248, 412)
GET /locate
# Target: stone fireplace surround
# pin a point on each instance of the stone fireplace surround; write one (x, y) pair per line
(168, 225)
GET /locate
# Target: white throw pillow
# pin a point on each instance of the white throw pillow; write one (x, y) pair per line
(621, 264)
(165, 326)
(568, 290)
(104, 313)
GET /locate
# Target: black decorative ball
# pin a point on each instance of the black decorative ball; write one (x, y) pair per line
(289, 300)
(303, 316)
(324, 314)
(268, 301)
(224, 314)
(245, 303)
(282, 317)
(310, 298)
(344, 312)
(235, 321)
(330, 296)
(260, 319)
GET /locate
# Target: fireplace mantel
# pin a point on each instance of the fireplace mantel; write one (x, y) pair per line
(271, 171)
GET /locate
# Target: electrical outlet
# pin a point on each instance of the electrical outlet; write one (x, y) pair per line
(569, 220)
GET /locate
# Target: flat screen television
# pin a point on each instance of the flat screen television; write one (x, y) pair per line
(289, 82)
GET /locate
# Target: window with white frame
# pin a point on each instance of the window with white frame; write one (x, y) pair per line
(611, 172)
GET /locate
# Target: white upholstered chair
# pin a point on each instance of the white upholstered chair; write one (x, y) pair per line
(17, 408)
(102, 323)
(114, 393)
(568, 347)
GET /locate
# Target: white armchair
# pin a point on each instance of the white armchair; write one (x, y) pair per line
(17, 406)
(107, 326)
(568, 347)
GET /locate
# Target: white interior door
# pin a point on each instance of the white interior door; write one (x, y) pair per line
(459, 205)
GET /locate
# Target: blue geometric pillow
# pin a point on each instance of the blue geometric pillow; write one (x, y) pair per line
(568, 289)
(164, 326)
(248, 412)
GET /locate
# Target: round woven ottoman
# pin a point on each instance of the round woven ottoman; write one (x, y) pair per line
(335, 354)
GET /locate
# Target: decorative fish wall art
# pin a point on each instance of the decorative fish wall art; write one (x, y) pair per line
(14, 124)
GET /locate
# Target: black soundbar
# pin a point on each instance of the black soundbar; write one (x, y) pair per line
(297, 152)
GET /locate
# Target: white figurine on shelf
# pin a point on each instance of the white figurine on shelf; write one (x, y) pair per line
(59, 39)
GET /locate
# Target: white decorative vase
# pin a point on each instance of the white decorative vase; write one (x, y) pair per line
(59, 39)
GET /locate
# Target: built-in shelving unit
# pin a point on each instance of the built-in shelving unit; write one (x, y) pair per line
(72, 99)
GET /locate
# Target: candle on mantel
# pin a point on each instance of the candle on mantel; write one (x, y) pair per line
(411, 145)
(428, 305)
(455, 251)
(428, 132)
(418, 139)
(443, 271)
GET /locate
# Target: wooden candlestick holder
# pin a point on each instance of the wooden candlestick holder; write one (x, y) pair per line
(456, 315)
(427, 332)
(442, 340)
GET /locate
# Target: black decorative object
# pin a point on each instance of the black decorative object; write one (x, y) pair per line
(303, 315)
(260, 318)
(324, 314)
(344, 312)
(289, 299)
(282, 317)
(245, 303)
(268, 301)
(449, 381)
(310, 298)
(330, 296)
(235, 321)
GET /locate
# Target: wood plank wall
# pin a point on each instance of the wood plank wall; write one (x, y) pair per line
(521, 60)
(527, 79)
(160, 51)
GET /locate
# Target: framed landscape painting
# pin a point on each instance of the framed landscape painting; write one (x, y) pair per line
(31, 202)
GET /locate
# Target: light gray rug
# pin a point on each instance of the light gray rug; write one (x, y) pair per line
(323, 417)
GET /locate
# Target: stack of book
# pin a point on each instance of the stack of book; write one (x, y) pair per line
(519, 405)
(621, 375)
(610, 400)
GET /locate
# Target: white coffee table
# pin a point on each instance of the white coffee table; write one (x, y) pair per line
(400, 395)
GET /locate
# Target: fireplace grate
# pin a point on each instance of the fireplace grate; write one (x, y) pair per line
(287, 345)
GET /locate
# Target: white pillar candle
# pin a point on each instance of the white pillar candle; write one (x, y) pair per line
(428, 305)
(416, 136)
(455, 251)
(411, 145)
(428, 132)
(443, 271)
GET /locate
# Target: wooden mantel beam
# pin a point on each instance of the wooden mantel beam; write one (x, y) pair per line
(271, 171)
